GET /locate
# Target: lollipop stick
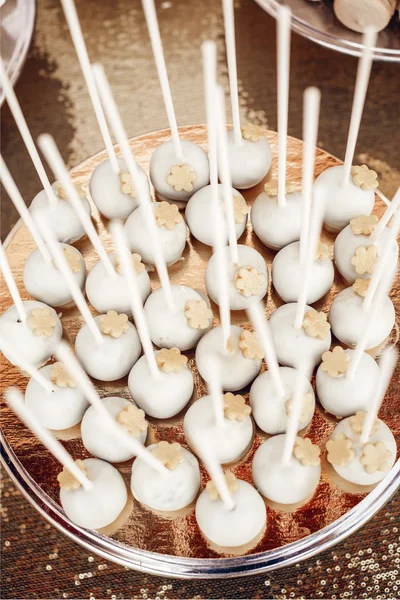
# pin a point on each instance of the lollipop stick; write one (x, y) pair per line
(215, 390)
(229, 24)
(387, 215)
(294, 417)
(25, 366)
(15, 401)
(12, 286)
(283, 57)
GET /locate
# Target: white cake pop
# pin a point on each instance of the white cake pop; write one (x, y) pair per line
(340, 393)
(166, 396)
(61, 408)
(286, 273)
(250, 160)
(111, 293)
(104, 444)
(181, 327)
(239, 364)
(116, 355)
(270, 411)
(174, 490)
(248, 279)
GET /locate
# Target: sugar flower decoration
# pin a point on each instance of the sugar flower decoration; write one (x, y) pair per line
(306, 407)
(356, 423)
(364, 259)
(365, 178)
(67, 481)
(316, 325)
(127, 186)
(60, 376)
(132, 419)
(198, 314)
(306, 452)
(251, 132)
(340, 450)
(42, 322)
(375, 457)
(114, 324)
(235, 407)
(231, 482)
(360, 286)
(170, 360)
(167, 215)
(335, 362)
(181, 177)
(271, 187)
(249, 281)
(250, 345)
(73, 259)
(171, 455)
(322, 251)
(138, 266)
(61, 193)
(364, 224)
(240, 209)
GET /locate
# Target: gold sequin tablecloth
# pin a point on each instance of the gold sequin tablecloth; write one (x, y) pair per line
(38, 561)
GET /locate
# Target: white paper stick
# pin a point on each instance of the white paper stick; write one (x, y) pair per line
(156, 44)
(144, 200)
(17, 200)
(125, 257)
(229, 24)
(360, 92)
(284, 15)
(257, 316)
(293, 418)
(25, 366)
(382, 197)
(57, 165)
(64, 354)
(12, 286)
(63, 267)
(81, 51)
(387, 364)
(25, 134)
(387, 215)
(15, 401)
(215, 391)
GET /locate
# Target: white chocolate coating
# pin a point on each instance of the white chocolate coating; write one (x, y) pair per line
(100, 506)
(287, 280)
(110, 360)
(230, 443)
(268, 409)
(173, 241)
(293, 345)
(248, 257)
(199, 216)
(111, 293)
(34, 349)
(105, 189)
(277, 226)
(99, 440)
(284, 484)
(162, 398)
(172, 491)
(164, 158)
(249, 161)
(60, 409)
(44, 282)
(354, 471)
(236, 527)
(347, 319)
(343, 396)
(342, 203)
(236, 371)
(167, 328)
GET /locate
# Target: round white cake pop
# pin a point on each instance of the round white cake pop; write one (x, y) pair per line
(182, 327)
(362, 464)
(100, 506)
(286, 274)
(199, 211)
(285, 484)
(177, 180)
(347, 319)
(277, 226)
(119, 351)
(166, 396)
(36, 339)
(239, 365)
(114, 194)
(44, 282)
(293, 346)
(271, 411)
(102, 443)
(236, 527)
(172, 491)
(111, 293)
(342, 203)
(250, 160)
(171, 229)
(233, 439)
(248, 280)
